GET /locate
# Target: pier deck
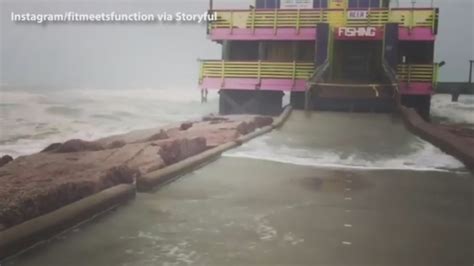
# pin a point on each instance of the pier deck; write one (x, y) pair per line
(243, 211)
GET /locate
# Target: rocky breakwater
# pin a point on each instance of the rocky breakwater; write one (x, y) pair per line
(63, 173)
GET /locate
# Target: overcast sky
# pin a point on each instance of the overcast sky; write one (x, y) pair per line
(157, 55)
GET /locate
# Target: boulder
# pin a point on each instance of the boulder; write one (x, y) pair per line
(179, 149)
(66, 172)
(245, 128)
(141, 156)
(120, 175)
(262, 121)
(186, 126)
(5, 159)
(214, 119)
(116, 144)
(30, 192)
(73, 145)
(52, 147)
(158, 136)
(214, 138)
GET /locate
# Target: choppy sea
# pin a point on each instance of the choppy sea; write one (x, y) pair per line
(33, 119)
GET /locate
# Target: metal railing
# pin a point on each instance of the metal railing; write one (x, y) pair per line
(255, 69)
(392, 76)
(316, 77)
(418, 73)
(301, 70)
(319, 74)
(308, 18)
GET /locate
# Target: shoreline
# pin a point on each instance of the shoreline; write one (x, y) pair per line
(180, 149)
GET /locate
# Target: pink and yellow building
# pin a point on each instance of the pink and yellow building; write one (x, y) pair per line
(328, 54)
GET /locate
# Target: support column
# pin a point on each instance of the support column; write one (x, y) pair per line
(303, 100)
(261, 50)
(322, 43)
(226, 50)
(294, 50)
(390, 49)
(390, 53)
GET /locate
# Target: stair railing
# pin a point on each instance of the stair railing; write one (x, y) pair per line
(317, 77)
(391, 74)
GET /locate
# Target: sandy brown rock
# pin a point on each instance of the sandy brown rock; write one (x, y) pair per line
(179, 149)
(66, 172)
(40, 183)
(73, 145)
(32, 192)
(158, 136)
(116, 144)
(215, 119)
(263, 121)
(5, 159)
(52, 147)
(219, 130)
(186, 125)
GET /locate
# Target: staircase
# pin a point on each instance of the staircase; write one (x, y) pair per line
(329, 96)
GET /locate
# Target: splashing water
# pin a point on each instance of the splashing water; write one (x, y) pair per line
(31, 120)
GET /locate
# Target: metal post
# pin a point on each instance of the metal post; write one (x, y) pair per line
(275, 21)
(231, 24)
(412, 14)
(469, 84)
(209, 12)
(471, 62)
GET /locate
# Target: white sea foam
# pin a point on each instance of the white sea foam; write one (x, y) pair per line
(31, 120)
(455, 112)
(425, 158)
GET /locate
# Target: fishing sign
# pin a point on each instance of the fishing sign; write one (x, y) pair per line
(358, 33)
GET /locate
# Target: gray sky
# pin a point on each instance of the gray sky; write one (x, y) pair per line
(156, 56)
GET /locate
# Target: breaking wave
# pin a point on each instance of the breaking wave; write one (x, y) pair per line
(31, 120)
(419, 155)
(426, 157)
(455, 112)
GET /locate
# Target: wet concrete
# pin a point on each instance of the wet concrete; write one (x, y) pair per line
(241, 211)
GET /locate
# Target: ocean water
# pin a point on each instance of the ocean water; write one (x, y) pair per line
(372, 143)
(462, 111)
(422, 157)
(33, 119)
